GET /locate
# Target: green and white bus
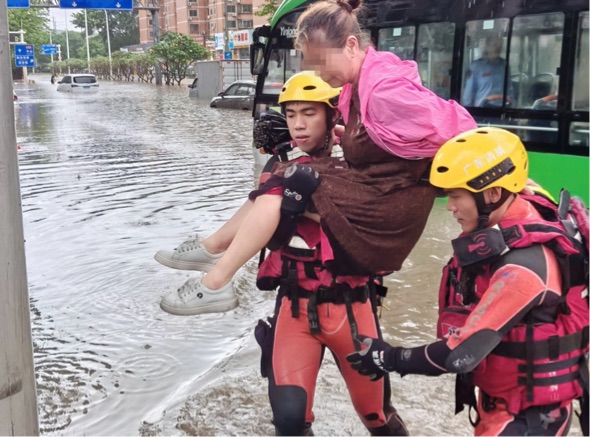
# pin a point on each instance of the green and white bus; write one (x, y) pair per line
(544, 44)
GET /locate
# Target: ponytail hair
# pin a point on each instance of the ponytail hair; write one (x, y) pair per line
(329, 23)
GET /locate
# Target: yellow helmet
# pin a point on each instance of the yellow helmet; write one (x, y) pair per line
(479, 159)
(307, 87)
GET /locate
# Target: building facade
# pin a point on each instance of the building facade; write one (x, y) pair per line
(208, 22)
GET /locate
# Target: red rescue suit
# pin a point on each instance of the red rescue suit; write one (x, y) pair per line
(538, 360)
(316, 310)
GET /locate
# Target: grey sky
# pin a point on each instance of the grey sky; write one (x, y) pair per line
(58, 16)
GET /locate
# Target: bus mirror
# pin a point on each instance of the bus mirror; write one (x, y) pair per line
(256, 58)
(261, 32)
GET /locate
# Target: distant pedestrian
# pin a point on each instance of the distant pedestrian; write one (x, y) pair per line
(53, 79)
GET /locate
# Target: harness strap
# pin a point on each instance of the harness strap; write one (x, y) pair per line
(293, 289)
(554, 366)
(352, 322)
(312, 314)
(339, 294)
(542, 348)
(377, 291)
(529, 352)
(545, 382)
(336, 294)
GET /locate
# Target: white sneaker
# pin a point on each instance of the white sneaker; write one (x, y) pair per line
(190, 255)
(194, 298)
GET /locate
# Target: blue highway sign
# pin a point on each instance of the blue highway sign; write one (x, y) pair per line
(24, 55)
(117, 5)
(18, 3)
(49, 49)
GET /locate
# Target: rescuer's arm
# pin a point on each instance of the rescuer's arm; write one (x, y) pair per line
(517, 286)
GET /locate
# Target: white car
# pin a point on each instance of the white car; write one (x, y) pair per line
(78, 83)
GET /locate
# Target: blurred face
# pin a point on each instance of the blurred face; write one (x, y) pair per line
(462, 204)
(336, 66)
(307, 124)
(493, 49)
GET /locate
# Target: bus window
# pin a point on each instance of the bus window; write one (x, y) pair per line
(535, 56)
(579, 134)
(484, 65)
(283, 64)
(580, 95)
(435, 56)
(398, 40)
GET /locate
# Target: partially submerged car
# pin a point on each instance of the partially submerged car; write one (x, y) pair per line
(78, 83)
(239, 95)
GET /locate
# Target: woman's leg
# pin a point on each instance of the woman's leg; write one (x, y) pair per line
(256, 229)
(220, 240)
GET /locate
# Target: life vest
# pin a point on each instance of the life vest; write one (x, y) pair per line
(536, 363)
(301, 268)
(305, 256)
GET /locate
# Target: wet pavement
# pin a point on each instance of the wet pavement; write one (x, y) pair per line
(108, 179)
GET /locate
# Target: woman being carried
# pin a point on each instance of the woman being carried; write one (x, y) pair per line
(374, 210)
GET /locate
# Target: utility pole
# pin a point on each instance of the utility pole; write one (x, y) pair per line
(67, 41)
(156, 24)
(87, 46)
(21, 41)
(51, 42)
(225, 30)
(18, 395)
(106, 17)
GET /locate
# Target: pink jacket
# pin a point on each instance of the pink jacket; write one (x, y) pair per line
(401, 116)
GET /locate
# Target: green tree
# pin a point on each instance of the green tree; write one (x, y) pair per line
(176, 52)
(76, 40)
(34, 21)
(268, 8)
(123, 27)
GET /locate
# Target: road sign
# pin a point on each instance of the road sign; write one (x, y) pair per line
(227, 55)
(49, 49)
(231, 45)
(24, 55)
(18, 3)
(117, 5)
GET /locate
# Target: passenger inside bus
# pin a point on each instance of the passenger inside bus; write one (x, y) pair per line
(484, 83)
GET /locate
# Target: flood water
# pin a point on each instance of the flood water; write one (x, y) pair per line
(107, 180)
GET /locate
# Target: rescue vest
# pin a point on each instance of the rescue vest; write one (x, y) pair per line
(299, 271)
(539, 361)
(301, 268)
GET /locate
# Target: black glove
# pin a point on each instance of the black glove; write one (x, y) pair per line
(374, 360)
(298, 185)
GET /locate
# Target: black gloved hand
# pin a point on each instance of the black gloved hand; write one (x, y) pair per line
(298, 185)
(374, 360)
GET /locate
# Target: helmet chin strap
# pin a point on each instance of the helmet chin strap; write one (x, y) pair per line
(323, 148)
(485, 209)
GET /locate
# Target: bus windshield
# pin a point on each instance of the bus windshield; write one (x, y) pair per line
(283, 60)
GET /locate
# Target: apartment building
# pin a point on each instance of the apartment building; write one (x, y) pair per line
(204, 19)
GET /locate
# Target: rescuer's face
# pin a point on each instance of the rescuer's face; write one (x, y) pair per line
(462, 204)
(307, 124)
